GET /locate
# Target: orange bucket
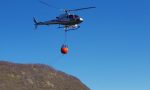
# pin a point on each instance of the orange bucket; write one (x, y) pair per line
(64, 49)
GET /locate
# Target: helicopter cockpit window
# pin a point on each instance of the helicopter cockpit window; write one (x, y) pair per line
(71, 16)
(76, 16)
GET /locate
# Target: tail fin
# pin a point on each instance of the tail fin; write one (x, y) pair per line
(35, 23)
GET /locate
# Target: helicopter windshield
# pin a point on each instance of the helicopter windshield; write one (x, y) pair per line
(76, 16)
(73, 16)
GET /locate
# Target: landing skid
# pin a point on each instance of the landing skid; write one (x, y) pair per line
(71, 27)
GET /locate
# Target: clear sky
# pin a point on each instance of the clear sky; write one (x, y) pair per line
(111, 50)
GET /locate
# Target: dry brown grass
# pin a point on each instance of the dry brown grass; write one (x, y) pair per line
(36, 77)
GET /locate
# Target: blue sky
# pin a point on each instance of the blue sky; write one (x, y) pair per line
(111, 50)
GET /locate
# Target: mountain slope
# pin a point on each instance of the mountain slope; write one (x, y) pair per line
(36, 77)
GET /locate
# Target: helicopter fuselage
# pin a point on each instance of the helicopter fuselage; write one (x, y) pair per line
(67, 20)
(64, 19)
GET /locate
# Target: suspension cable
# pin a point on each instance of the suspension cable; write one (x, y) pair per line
(65, 33)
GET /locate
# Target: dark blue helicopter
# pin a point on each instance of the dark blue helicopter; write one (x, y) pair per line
(67, 20)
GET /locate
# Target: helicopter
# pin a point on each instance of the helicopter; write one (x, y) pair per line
(67, 20)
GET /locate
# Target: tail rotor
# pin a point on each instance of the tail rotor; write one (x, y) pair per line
(35, 23)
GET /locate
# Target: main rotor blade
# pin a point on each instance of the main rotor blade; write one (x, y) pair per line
(66, 10)
(48, 4)
(80, 9)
